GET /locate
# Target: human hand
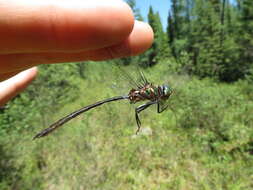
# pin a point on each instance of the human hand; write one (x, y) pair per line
(51, 31)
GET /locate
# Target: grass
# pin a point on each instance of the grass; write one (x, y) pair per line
(206, 146)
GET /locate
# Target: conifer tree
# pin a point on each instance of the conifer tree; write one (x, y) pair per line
(138, 16)
(136, 10)
(207, 39)
(245, 36)
(178, 29)
(159, 49)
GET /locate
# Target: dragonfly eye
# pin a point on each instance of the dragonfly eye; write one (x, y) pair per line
(167, 91)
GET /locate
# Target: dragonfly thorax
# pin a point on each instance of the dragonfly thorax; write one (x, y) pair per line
(150, 92)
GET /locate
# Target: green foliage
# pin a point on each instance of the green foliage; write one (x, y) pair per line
(140, 58)
(54, 86)
(178, 29)
(159, 49)
(216, 35)
(218, 116)
(204, 142)
(137, 13)
(244, 35)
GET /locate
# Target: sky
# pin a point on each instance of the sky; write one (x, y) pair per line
(162, 6)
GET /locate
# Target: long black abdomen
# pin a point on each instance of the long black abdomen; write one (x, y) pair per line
(74, 114)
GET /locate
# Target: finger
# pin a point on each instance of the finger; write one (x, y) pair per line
(14, 85)
(5, 76)
(139, 40)
(64, 26)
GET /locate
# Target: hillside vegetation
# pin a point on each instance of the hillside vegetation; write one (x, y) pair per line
(204, 143)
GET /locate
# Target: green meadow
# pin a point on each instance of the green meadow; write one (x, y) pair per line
(203, 142)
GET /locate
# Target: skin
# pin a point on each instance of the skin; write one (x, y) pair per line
(53, 31)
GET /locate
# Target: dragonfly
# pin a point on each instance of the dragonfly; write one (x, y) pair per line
(143, 91)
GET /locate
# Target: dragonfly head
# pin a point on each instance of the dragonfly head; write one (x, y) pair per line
(166, 91)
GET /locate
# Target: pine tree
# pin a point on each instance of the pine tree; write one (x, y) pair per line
(238, 42)
(208, 35)
(138, 16)
(159, 49)
(136, 10)
(170, 29)
(179, 27)
(246, 35)
(216, 43)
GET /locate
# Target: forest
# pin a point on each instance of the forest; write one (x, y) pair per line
(204, 140)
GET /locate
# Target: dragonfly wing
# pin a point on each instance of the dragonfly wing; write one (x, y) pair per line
(128, 77)
(139, 81)
(142, 78)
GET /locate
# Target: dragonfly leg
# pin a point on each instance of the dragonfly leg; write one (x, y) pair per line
(138, 110)
(158, 108)
(137, 121)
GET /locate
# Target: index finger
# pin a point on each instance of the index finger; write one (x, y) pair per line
(62, 26)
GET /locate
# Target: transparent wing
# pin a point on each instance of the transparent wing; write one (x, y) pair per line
(137, 82)
(142, 78)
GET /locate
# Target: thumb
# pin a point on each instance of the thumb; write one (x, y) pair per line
(14, 85)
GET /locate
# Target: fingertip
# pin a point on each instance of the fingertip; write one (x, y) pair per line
(11, 87)
(26, 76)
(32, 72)
(141, 38)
